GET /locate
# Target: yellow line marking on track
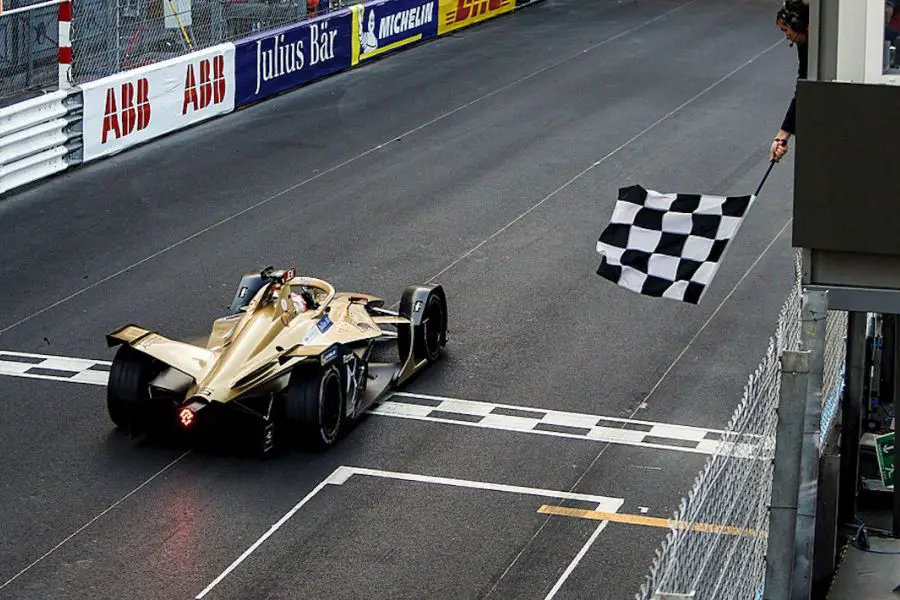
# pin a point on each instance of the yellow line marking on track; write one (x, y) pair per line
(646, 521)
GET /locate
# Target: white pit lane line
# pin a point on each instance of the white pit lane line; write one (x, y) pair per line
(453, 411)
(342, 474)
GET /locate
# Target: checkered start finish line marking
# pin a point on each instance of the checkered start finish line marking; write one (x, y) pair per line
(595, 428)
(486, 415)
(56, 368)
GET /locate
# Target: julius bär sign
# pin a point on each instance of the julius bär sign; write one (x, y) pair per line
(285, 58)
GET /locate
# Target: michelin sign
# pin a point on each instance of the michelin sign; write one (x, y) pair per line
(275, 61)
(380, 27)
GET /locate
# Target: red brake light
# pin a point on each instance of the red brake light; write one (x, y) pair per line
(186, 416)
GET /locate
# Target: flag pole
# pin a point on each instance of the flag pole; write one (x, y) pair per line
(766, 176)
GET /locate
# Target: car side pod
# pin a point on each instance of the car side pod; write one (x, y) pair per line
(422, 341)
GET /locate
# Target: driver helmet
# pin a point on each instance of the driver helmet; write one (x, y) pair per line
(299, 302)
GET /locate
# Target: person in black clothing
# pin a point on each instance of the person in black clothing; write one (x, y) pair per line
(793, 20)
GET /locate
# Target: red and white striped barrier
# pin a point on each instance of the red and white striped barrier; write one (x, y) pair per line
(64, 19)
(65, 44)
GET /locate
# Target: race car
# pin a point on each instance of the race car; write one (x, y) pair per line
(292, 361)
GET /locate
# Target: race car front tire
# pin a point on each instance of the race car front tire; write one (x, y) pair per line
(127, 395)
(315, 403)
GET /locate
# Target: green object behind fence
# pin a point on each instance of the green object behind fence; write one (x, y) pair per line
(884, 447)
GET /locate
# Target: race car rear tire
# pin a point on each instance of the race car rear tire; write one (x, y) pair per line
(429, 329)
(127, 395)
(315, 404)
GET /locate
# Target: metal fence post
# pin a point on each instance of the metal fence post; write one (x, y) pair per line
(217, 16)
(814, 312)
(851, 416)
(786, 474)
(113, 55)
(895, 390)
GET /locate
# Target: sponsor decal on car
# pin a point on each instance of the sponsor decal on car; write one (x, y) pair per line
(324, 324)
(329, 356)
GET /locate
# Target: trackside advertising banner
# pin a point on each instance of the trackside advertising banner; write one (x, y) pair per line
(455, 14)
(387, 25)
(288, 57)
(135, 106)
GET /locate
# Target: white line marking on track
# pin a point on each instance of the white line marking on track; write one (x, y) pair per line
(642, 405)
(612, 503)
(683, 352)
(346, 162)
(263, 538)
(343, 473)
(92, 521)
(596, 163)
(538, 421)
(442, 409)
(576, 560)
(353, 159)
(685, 432)
(715, 312)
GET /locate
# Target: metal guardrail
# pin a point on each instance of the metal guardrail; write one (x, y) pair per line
(39, 137)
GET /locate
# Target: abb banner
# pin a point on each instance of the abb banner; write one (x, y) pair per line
(135, 106)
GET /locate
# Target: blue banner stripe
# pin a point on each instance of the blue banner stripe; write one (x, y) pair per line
(271, 63)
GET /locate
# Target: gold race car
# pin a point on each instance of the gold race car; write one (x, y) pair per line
(293, 361)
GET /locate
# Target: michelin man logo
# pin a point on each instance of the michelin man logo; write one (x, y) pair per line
(368, 41)
(375, 31)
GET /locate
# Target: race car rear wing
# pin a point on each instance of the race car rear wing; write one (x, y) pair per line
(187, 358)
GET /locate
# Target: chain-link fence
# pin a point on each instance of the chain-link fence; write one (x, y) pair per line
(29, 49)
(734, 487)
(110, 36)
(833, 375)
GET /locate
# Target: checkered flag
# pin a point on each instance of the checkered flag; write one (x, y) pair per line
(668, 245)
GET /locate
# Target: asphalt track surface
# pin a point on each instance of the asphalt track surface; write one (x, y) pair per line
(488, 161)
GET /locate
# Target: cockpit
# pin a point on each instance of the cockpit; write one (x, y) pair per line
(305, 297)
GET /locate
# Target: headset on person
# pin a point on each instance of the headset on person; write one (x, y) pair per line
(795, 14)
